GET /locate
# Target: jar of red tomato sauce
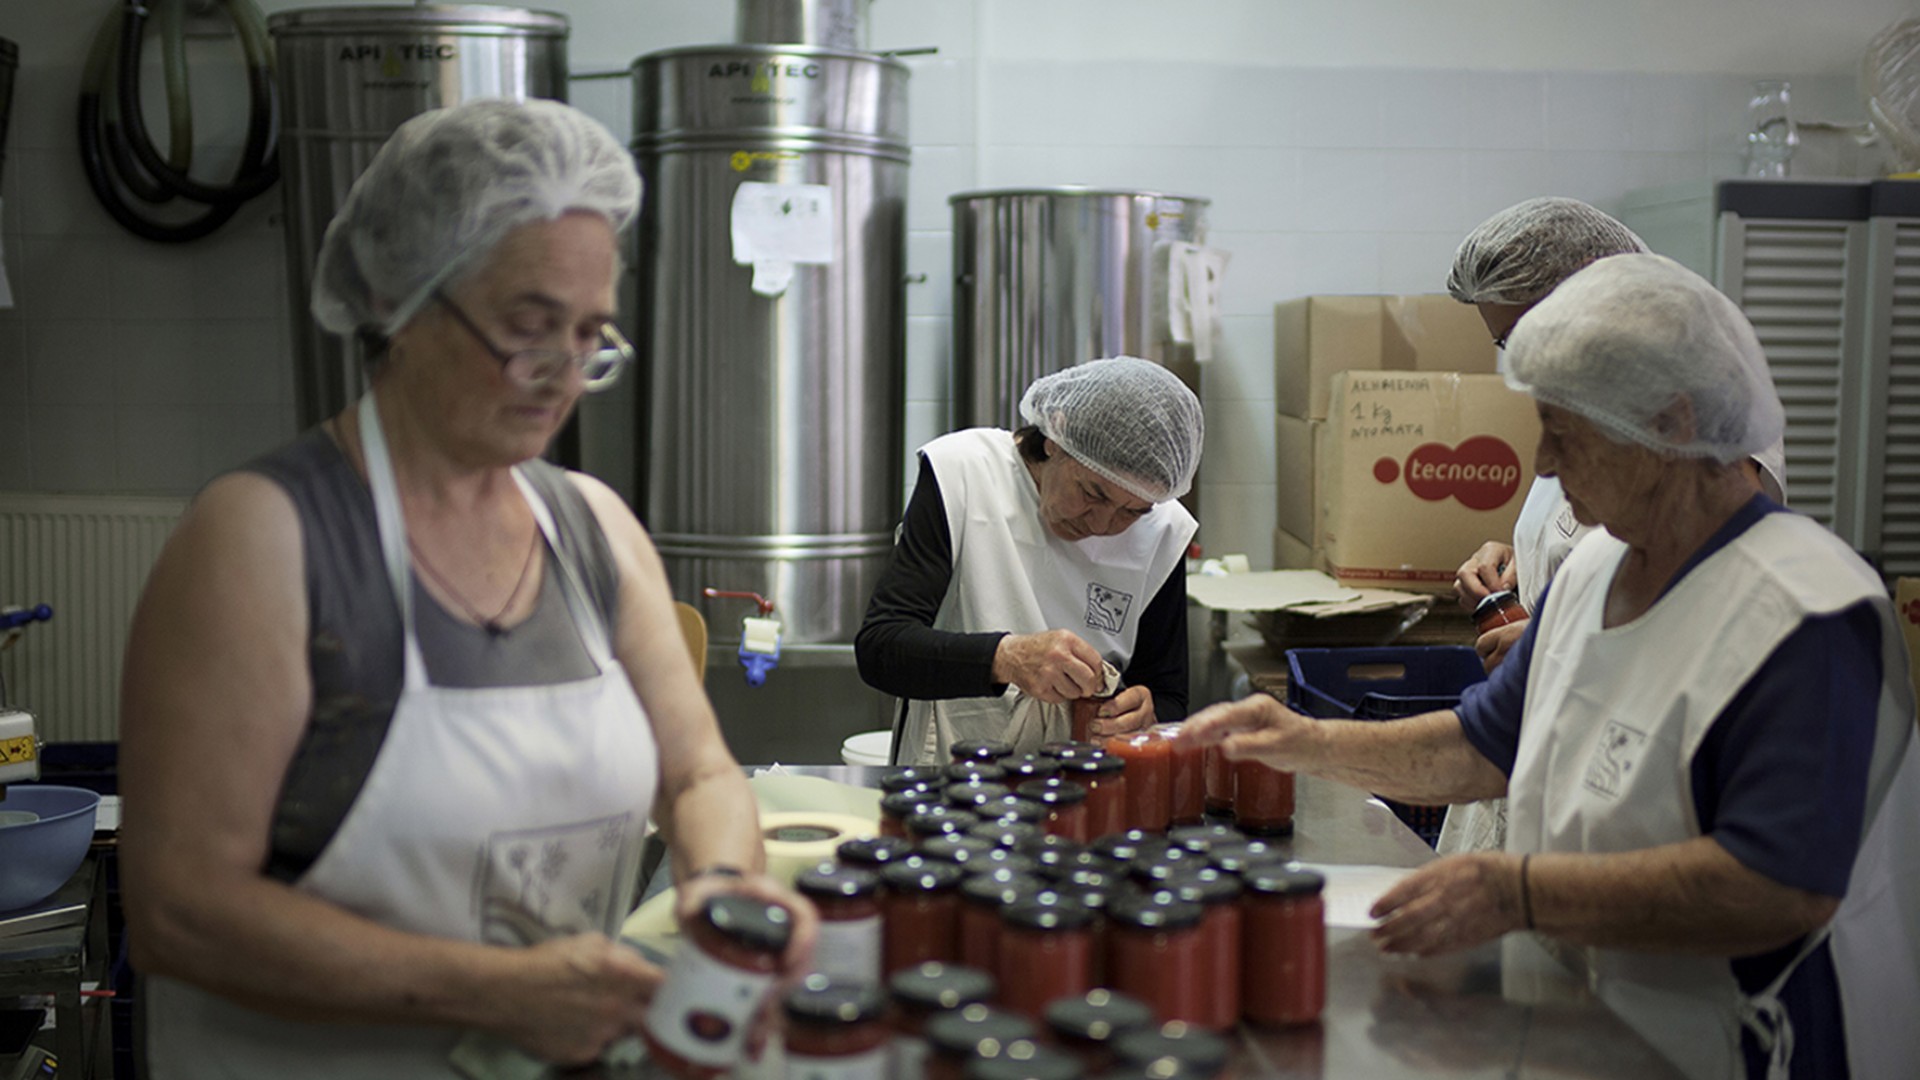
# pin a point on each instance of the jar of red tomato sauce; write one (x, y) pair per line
(1262, 799)
(1172, 1049)
(1036, 1062)
(1087, 1025)
(1006, 834)
(1066, 804)
(969, 1032)
(1083, 714)
(934, 821)
(1284, 935)
(873, 852)
(920, 912)
(1219, 774)
(1027, 767)
(848, 898)
(1155, 953)
(968, 796)
(1187, 782)
(836, 1030)
(1218, 895)
(1045, 953)
(982, 898)
(696, 1025)
(1149, 773)
(896, 808)
(1105, 778)
(920, 993)
(907, 777)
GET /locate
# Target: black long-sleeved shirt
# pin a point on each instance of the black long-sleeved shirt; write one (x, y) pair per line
(900, 653)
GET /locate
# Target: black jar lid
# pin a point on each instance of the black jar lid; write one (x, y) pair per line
(1050, 849)
(906, 777)
(747, 921)
(1003, 859)
(969, 795)
(1185, 1049)
(1245, 857)
(1160, 863)
(934, 986)
(1283, 881)
(1011, 808)
(821, 1001)
(1030, 767)
(1056, 913)
(940, 821)
(874, 851)
(1061, 862)
(1026, 1061)
(1001, 887)
(1203, 838)
(1153, 911)
(1053, 792)
(974, 772)
(980, 750)
(956, 848)
(904, 804)
(1098, 1017)
(1205, 886)
(1123, 846)
(1095, 765)
(1067, 749)
(830, 882)
(916, 874)
(961, 1032)
(1006, 834)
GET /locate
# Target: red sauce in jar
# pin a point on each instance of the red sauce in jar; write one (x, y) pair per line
(836, 1029)
(920, 912)
(848, 898)
(1155, 953)
(1219, 773)
(982, 898)
(1083, 714)
(696, 1025)
(921, 993)
(1262, 799)
(1105, 778)
(1218, 895)
(1066, 804)
(1284, 980)
(1496, 610)
(1046, 953)
(1149, 776)
(896, 808)
(1187, 779)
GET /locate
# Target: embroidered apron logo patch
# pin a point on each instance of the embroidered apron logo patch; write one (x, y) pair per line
(1616, 756)
(1107, 608)
(535, 884)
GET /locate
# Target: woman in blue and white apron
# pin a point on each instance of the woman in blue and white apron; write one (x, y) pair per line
(1030, 562)
(400, 696)
(1715, 792)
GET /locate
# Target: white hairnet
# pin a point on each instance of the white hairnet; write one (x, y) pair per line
(1130, 420)
(1518, 255)
(1623, 340)
(446, 187)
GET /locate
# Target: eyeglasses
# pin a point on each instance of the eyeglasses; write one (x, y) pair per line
(530, 368)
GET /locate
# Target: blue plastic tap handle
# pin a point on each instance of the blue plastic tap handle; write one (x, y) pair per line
(22, 616)
(757, 665)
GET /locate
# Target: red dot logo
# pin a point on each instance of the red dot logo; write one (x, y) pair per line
(1483, 472)
(1386, 470)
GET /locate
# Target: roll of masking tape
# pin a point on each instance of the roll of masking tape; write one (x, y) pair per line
(798, 839)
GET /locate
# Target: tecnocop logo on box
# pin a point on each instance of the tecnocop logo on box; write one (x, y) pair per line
(1483, 472)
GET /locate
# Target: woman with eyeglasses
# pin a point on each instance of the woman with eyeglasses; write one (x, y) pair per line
(401, 697)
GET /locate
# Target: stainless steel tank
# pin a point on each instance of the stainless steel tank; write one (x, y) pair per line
(833, 24)
(1044, 278)
(771, 428)
(348, 77)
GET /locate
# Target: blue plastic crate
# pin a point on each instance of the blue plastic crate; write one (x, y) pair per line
(1379, 684)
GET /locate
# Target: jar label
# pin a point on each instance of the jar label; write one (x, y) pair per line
(849, 949)
(704, 1008)
(871, 1065)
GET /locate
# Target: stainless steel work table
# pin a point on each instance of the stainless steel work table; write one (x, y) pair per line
(1393, 1017)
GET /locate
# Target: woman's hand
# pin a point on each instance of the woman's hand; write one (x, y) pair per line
(1488, 571)
(1257, 728)
(1129, 710)
(577, 996)
(1494, 645)
(1451, 904)
(1056, 666)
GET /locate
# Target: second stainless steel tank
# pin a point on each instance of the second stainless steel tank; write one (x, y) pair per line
(348, 77)
(771, 426)
(1045, 278)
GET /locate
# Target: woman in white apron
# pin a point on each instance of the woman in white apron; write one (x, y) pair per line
(400, 697)
(1707, 736)
(1503, 268)
(1029, 562)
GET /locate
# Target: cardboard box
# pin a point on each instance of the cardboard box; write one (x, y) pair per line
(1416, 471)
(1293, 439)
(1317, 337)
(1292, 553)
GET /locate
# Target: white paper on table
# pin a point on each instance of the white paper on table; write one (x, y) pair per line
(1352, 890)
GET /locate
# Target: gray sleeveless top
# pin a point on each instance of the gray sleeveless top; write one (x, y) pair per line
(354, 638)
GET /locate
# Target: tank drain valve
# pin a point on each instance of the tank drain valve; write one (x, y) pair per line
(759, 637)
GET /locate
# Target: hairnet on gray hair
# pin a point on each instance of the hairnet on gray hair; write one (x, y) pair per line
(1625, 340)
(445, 188)
(1518, 255)
(1130, 420)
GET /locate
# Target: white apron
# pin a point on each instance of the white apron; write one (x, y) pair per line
(500, 815)
(1613, 719)
(1543, 536)
(1010, 573)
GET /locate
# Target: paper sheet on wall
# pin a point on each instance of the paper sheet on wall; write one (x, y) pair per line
(6, 287)
(776, 226)
(1352, 890)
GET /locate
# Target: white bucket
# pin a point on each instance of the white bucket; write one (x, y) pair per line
(867, 748)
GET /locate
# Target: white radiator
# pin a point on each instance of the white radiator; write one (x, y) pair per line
(87, 557)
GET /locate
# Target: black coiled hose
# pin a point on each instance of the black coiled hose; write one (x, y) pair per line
(118, 155)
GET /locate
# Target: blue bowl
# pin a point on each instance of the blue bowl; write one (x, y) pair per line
(38, 857)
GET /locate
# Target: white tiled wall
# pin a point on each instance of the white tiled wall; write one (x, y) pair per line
(138, 368)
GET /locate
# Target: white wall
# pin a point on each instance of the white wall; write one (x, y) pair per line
(1347, 145)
